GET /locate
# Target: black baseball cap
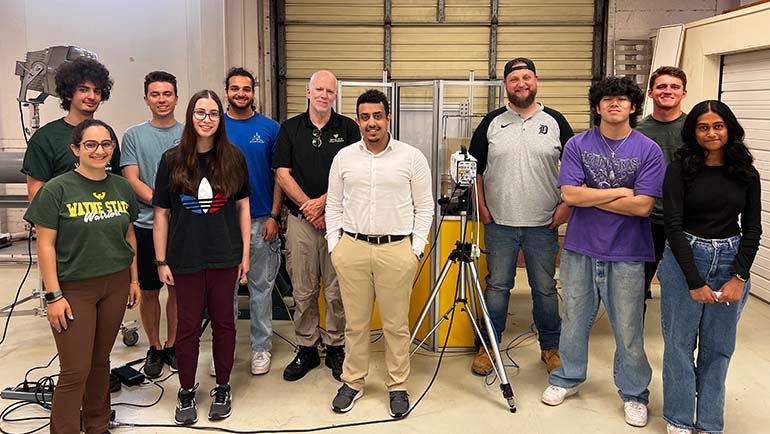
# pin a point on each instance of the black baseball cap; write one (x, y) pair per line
(528, 64)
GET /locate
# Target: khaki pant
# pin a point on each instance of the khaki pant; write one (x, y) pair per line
(367, 271)
(310, 262)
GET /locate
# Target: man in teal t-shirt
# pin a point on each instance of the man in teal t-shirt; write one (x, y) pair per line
(82, 85)
(143, 147)
(668, 86)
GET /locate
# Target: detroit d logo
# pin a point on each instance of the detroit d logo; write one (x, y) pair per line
(543, 129)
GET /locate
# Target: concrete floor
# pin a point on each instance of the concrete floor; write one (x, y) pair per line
(457, 402)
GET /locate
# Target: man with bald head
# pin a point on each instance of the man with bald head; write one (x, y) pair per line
(305, 148)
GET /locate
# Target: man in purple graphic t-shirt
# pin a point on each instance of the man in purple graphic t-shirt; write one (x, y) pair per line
(611, 176)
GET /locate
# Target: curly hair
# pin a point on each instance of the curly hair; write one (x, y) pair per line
(70, 75)
(77, 132)
(616, 86)
(373, 96)
(738, 159)
(159, 76)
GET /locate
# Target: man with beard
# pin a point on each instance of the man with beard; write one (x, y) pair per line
(255, 135)
(518, 148)
(307, 144)
(82, 85)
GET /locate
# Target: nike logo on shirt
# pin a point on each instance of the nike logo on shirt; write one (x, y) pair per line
(505, 125)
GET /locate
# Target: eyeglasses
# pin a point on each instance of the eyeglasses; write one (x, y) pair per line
(91, 145)
(201, 114)
(316, 138)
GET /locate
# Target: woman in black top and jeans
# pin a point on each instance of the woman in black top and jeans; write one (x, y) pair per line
(709, 189)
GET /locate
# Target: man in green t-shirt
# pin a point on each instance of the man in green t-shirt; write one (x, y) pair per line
(668, 86)
(82, 85)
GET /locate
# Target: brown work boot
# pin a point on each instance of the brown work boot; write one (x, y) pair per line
(482, 363)
(551, 359)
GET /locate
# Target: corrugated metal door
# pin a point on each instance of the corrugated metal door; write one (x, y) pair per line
(442, 39)
(746, 89)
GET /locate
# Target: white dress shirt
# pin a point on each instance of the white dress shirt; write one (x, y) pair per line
(384, 194)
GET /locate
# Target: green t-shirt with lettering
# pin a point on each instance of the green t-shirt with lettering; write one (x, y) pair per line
(91, 219)
(49, 154)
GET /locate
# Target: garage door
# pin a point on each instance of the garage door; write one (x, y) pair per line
(442, 39)
(746, 89)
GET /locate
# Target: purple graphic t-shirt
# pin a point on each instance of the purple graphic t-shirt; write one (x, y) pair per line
(638, 164)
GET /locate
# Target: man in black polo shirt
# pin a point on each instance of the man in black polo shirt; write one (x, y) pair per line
(305, 148)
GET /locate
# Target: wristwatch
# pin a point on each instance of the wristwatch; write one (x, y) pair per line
(276, 217)
(160, 263)
(739, 277)
(51, 296)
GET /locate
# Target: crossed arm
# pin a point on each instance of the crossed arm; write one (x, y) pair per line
(620, 200)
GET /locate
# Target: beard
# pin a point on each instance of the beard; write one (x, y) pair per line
(240, 104)
(523, 102)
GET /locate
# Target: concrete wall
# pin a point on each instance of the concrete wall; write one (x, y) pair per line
(635, 19)
(707, 40)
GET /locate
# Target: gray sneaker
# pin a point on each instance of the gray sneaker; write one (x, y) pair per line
(346, 397)
(186, 412)
(399, 403)
(221, 406)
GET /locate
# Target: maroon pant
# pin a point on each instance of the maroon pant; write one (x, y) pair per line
(98, 306)
(213, 288)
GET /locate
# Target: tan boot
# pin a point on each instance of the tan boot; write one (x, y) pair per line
(482, 363)
(551, 359)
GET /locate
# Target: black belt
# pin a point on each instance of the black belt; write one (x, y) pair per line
(377, 239)
(296, 214)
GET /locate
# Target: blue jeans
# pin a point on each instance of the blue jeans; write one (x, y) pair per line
(710, 327)
(265, 260)
(620, 285)
(540, 246)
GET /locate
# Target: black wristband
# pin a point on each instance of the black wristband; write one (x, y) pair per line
(276, 217)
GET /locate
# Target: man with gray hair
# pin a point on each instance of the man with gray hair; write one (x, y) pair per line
(305, 148)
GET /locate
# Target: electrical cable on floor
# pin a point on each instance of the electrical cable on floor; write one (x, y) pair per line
(21, 285)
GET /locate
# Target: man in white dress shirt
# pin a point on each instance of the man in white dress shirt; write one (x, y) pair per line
(378, 214)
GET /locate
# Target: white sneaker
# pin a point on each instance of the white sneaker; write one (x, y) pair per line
(260, 362)
(636, 413)
(212, 368)
(555, 395)
(671, 429)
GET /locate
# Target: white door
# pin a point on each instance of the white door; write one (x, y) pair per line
(746, 89)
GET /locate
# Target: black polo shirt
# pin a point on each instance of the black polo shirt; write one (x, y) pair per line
(310, 165)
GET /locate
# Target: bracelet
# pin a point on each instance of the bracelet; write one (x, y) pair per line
(133, 282)
(55, 300)
(160, 263)
(276, 217)
(739, 277)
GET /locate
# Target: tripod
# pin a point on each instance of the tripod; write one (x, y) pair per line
(462, 254)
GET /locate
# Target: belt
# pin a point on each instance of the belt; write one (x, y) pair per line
(377, 239)
(297, 214)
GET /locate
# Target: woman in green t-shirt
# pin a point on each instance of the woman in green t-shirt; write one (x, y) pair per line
(86, 248)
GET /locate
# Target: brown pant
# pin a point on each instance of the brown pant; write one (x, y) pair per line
(310, 262)
(98, 306)
(385, 272)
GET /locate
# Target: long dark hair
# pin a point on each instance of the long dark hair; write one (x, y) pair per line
(225, 172)
(738, 159)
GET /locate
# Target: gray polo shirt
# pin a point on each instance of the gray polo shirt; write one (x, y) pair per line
(519, 159)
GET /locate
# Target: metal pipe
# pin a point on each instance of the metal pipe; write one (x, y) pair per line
(10, 164)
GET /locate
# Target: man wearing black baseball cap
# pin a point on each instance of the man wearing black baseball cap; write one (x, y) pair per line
(518, 148)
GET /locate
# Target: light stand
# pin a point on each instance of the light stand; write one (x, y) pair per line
(462, 255)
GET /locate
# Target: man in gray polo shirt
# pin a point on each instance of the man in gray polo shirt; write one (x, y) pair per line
(518, 148)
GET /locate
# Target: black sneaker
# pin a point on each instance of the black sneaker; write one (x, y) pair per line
(153, 363)
(346, 397)
(186, 412)
(307, 358)
(169, 358)
(221, 406)
(335, 357)
(399, 403)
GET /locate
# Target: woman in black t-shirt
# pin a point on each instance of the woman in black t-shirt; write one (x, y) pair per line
(709, 189)
(201, 236)
(86, 246)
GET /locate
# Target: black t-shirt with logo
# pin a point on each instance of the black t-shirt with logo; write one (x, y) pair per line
(309, 164)
(204, 231)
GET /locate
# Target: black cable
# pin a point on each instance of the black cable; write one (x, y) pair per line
(40, 367)
(23, 128)
(15, 406)
(18, 291)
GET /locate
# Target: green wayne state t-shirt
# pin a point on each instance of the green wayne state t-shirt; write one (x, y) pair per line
(91, 219)
(49, 155)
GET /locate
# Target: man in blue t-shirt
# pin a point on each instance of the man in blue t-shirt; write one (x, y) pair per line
(143, 146)
(255, 135)
(611, 176)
